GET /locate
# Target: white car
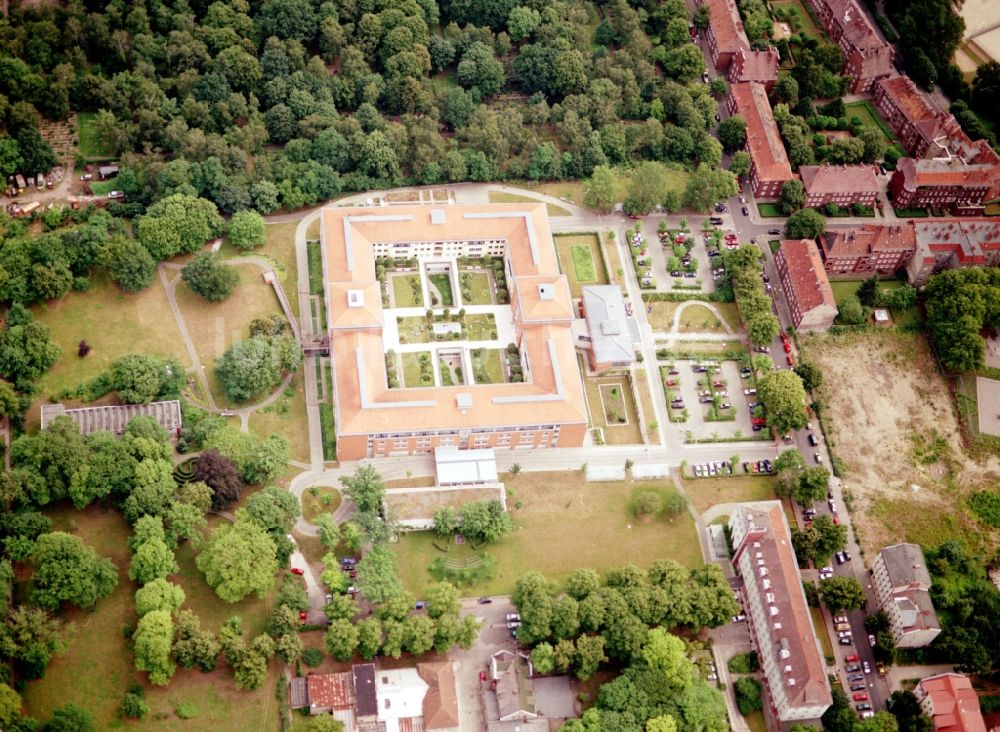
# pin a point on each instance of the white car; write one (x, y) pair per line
(823, 574)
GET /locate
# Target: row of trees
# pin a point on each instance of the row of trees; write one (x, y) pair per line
(960, 303)
(479, 521)
(743, 271)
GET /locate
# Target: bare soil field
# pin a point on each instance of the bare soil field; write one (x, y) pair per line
(891, 422)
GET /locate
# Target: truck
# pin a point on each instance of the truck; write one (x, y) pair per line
(27, 209)
(842, 626)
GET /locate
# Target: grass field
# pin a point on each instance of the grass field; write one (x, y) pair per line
(608, 398)
(286, 417)
(807, 28)
(480, 327)
(821, 632)
(411, 369)
(486, 366)
(279, 249)
(91, 146)
(325, 500)
(694, 318)
(571, 250)
(563, 523)
(646, 405)
(477, 286)
(406, 291)
(769, 210)
(583, 264)
(869, 118)
(103, 187)
(98, 665)
(699, 319)
(843, 289)
(413, 329)
(503, 197)
(442, 284)
(707, 492)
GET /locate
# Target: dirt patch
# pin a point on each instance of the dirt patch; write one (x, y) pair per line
(891, 423)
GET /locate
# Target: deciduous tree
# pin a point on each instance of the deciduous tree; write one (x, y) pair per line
(207, 276)
(152, 639)
(238, 559)
(69, 571)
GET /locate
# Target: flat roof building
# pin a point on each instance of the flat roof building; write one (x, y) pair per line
(953, 244)
(769, 166)
(878, 248)
(902, 585)
(844, 185)
(951, 702)
(807, 288)
(115, 417)
(540, 402)
(607, 327)
(465, 467)
(781, 627)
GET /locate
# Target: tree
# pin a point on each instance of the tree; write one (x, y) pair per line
(793, 196)
(647, 188)
(851, 311)
(784, 400)
(71, 718)
(479, 69)
(748, 695)
(377, 576)
(684, 63)
(221, 475)
(69, 571)
(152, 639)
(26, 350)
(36, 153)
(589, 655)
(140, 378)
(533, 598)
(209, 277)
(814, 483)
(874, 144)
(10, 707)
(701, 18)
(238, 559)
(805, 224)
(485, 521)
(30, 636)
(325, 723)
(733, 133)
(739, 163)
(445, 521)
(133, 707)
(152, 560)
(130, 264)
(194, 647)
(254, 365)
(341, 639)
(543, 658)
(246, 229)
(582, 582)
(819, 541)
(442, 598)
(903, 705)
(158, 594)
(178, 224)
(842, 593)
(601, 191)
(985, 90)
(867, 292)
(811, 375)
(708, 185)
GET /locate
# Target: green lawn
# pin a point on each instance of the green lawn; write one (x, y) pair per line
(441, 283)
(563, 523)
(286, 417)
(91, 146)
(413, 329)
(821, 632)
(843, 289)
(98, 665)
(804, 22)
(610, 399)
(406, 292)
(583, 264)
(445, 371)
(486, 366)
(572, 251)
(319, 500)
(480, 327)
(476, 288)
(411, 370)
(103, 187)
(503, 197)
(869, 118)
(769, 210)
(314, 250)
(707, 492)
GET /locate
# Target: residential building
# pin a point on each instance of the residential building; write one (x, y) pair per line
(540, 402)
(511, 672)
(107, 171)
(769, 167)
(332, 694)
(365, 696)
(781, 628)
(843, 185)
(414, 698)
(951, 702)
(610, 344)
(871, 248)
(953, 243)
(940, 183)
(725, 33)
(902, 590)
(115, 417)
(757, 66)
(807, 288)
(867, 58)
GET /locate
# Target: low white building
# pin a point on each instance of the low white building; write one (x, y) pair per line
(902, 589)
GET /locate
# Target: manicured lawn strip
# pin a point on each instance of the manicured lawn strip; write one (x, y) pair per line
(315, 252)
(583, 264)
(563, 523)
(480, 327)
(566, 247)
(707, 492)
(279, 249)
(103, 187)
(411, 368)
(486, 366)
(911, 213)
(477, 285)
(406, 291)
(442, 282)
(755, 721)
(821, 632)
(91, 146)
(445, 370)
(646, 405)
(286, 417)
(698, 318)
(869, 117)
(326, 418)
(326, 500)
(769, 210)
(503, 197)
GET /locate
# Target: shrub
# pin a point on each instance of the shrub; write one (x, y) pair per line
(744, 663)
(186, 710)
(133, 707)
(986, 506)
(748, 695)
(312, 657)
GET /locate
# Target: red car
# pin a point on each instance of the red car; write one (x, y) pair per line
(836, 519)
(784, 337)
(861, 696)
(302, 616)
(788, 347)
(482, 676)
(852, 659)
(670, 382)
(789, 360)
(298, 571)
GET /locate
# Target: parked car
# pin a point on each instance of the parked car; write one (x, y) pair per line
(856, 677)
(846, 641)
(853, 667)
(866, 666)
(750, 392)
(812, 440)
(512, 624)
(858, 687)
(861, 696)
(513, 616)
(864, 707)
(867, 714)
(840, 619)
(298, 570)
(352, 590)
(116, 194)
(853, 658)
(746, 211)
(818, 457)
(739, 618)
(774, 232)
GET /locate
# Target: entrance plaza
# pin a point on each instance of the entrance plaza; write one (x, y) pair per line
(467, 375)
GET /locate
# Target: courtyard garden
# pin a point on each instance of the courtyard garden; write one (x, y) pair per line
(413, 329)
(581, 261)
(406, 290)
(487, 367)
(417, 369)
(613, 409)
(440, 289)
(476, 287)
(480, 327)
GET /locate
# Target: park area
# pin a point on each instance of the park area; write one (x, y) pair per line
(891, 424)
(864, 111)
(91, 146)
(695, 317)
(487, 367)
(581, 261)
(564, 523)
(795, 14)
(843, 289)
(406, 291)
(98, 666)
(476, 287)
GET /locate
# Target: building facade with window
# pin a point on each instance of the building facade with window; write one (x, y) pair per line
(539, 400)
(769, 166)
(725, 34)
(807, 288)
(867, 58)
(869, 249)
(902, 590)
(949, 183)
(843, 185)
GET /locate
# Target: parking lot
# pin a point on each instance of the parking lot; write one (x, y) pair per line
(660, 254)
(690, 387)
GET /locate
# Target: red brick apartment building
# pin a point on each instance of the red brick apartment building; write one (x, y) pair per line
(953, 243)
(940, 183)
(807, 288)
(769, 166)
(725, 34)
(873, 248)
(867, 58)
(951, 702)
(758, 66)
(843, 185)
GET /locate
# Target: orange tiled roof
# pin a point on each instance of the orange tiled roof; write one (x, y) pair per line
(954, 702)
(763, 138)
(441, 701)
(810, 285)
(724, 18)
(819, 179)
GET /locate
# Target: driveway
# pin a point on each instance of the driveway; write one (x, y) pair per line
(314, 588)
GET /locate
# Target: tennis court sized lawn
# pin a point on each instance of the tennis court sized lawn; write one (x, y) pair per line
(563, 522)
